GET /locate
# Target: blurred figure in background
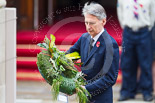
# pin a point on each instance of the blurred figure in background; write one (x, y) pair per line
(153, 68)
(136, 17)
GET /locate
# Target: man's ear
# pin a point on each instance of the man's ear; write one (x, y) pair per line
(104, 21)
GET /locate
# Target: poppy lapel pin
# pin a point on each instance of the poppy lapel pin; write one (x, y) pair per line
(98, 44)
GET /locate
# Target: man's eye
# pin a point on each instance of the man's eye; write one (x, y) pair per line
(86, 22)
(91, 23)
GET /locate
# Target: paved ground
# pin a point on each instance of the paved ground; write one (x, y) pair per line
(39, 92)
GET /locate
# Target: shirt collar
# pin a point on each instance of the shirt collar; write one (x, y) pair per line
(97, 36)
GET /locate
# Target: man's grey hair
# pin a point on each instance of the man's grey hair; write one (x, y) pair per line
(94, 9)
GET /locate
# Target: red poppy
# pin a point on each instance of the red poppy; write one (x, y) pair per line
(98, 44)
(141, 5)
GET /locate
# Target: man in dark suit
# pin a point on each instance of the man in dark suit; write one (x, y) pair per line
(99, 55)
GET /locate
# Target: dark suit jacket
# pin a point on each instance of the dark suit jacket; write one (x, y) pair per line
(100, 65)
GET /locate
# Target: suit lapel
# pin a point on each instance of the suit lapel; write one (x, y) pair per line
(93, 49)
(86, 47)
(91, 53)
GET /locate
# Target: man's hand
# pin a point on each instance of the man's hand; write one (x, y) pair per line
(83, 87)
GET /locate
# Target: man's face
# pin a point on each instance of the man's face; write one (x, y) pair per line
(93, 24)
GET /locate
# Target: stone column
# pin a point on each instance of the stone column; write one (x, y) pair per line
(2, 55)
(7, 55)
(10, 55)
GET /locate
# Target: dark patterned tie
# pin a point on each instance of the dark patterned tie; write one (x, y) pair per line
(90, 45)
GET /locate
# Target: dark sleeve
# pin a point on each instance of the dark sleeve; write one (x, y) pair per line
(76, 47)
(109, 79)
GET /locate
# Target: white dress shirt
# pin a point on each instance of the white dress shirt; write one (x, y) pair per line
(97, 36)
(136, 13)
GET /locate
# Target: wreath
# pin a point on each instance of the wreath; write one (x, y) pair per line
(58, 70)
